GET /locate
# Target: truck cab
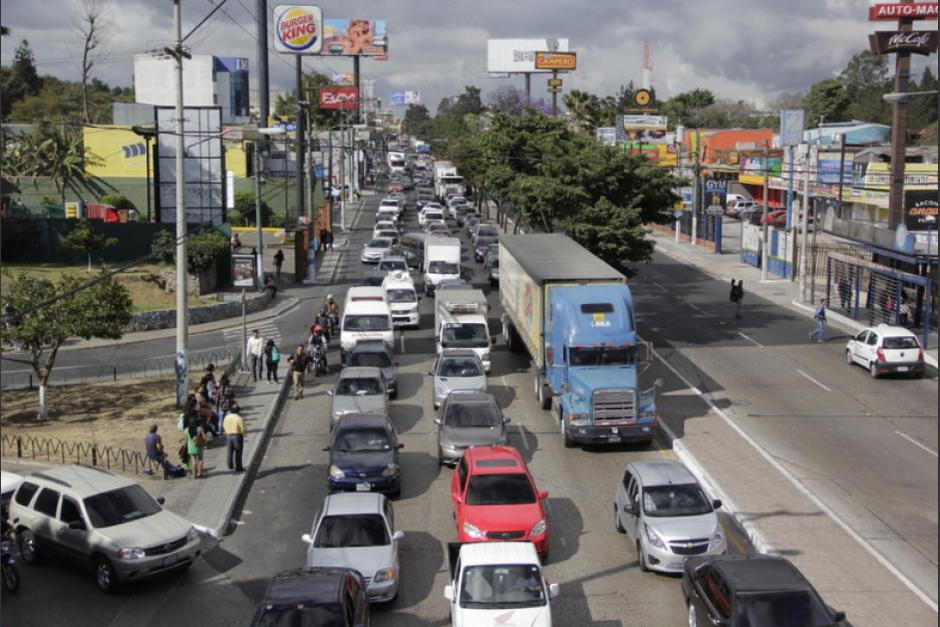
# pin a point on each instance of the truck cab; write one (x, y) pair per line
(366, 316)
(592, 356)
(460, 322)
(441, 261)
(402, 299)
(493, 583)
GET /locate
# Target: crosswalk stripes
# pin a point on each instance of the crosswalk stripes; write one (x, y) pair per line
(268, 330)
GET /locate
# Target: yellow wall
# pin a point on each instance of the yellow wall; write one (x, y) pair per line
(121, 153)
(236, 160)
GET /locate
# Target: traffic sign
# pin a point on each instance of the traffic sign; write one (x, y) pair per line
(554, 82)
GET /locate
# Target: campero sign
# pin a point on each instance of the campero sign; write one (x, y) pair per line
(556, 60)
(298, 29)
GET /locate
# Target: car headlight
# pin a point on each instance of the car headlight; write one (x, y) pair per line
(717, 539)
(390, 471)
(192, 535)
(134, 553)
(473, 532)
(336, 473)
(538, 528)
(386, 574)
(653, 537)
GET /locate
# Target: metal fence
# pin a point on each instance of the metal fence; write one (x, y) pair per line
(58, 451)
(65, 375)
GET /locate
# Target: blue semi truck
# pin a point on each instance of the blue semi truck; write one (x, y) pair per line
(573, 313)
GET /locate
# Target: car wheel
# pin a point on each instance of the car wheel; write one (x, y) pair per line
(693, 620)
(848, 358)
(618, 525)
(28, 550)
(105, 575)
(641, 558)
(873, 369)
(568, 442)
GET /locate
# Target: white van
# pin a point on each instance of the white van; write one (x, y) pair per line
(402, 299)
(366, 316)
(441, 261)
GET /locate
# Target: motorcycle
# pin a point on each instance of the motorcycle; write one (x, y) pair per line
(11, 575)
(318, 359)
(332, 320)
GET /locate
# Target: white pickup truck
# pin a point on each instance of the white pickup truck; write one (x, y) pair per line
(497, 583)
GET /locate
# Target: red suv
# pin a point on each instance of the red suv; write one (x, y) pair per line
(495, 498)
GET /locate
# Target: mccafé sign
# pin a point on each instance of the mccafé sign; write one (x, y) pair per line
(915, 41)
(339, 98)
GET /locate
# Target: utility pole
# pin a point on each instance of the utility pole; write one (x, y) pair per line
(308, 174)
(554, 95)
(261, 51)
(765, 245)
(902, 75)
(260, 247)
(182, 304)
(528, 87)
(804, 221)
(301, 138)
(342, 176)
(358, 89)
(696, 191)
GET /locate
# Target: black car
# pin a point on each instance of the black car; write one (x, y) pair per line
(364, 455)
(482, 246)
(375, 353)
(752, 591)
(322, 596)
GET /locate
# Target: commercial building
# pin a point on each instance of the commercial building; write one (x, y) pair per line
(208, 81)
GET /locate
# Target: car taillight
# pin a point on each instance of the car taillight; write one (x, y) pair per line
(920, 354)
(881, 354)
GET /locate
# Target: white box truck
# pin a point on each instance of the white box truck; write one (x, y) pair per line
(366, 316)
(402, 299)
(446, 180)
(441, 261)
(460, 322)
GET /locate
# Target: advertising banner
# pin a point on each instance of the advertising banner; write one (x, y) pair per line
(556, 60)
(716, 195)
(903, 10)
(791, 126)
(916, 176)
(919, 207)
(122, 153)
(827, 166)
(518, 55)
(243, 271)
(412, 97)
(397, 99)
(607, 135)
(298, 29)
(915, 41)
(350, 37)
(339, 98)
(751, 169)
(640, 122)
(343, 80)
(647, 136)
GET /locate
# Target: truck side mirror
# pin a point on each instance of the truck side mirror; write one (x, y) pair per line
(449, 592)
(553, 590)
(716, 503)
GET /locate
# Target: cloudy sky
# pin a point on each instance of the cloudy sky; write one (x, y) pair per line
(741, 50)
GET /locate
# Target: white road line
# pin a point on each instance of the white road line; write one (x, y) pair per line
(525, 440)
(661, 287)
(751, 340)
(401, 342)
(828, 389)
(916, 443)
(910, 585)
(700, 310)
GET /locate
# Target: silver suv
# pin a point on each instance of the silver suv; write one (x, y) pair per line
(104, 521)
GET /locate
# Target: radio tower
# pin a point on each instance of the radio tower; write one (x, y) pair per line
(647, 65)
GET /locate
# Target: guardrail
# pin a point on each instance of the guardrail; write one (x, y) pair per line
(62, 452)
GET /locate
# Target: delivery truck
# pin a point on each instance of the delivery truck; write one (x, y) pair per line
(460, 322)
(441, 261)
(573, 314)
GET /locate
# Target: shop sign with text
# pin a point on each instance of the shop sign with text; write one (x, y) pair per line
(914, 42)
(339, 98)
(902, 10)
(556, 60)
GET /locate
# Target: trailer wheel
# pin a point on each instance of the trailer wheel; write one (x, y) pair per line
(541, 393)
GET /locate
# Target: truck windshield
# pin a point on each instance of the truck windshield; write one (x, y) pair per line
(442, 267)
(502, 586)
(613, 356)
(401, 296)
(465, 336)
(366, 323)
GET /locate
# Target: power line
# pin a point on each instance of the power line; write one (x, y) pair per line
(204, 20)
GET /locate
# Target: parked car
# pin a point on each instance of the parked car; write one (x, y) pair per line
(103, 521)
(662, 508)
(495, 498)
(740, 208)
(364, 455)
(468, 419)
(456, 369)
(375, 354)
(354, 530)
(358, 391)
(373, 250)
(886, 349)
(752, 590)
(777, 217)
(323, 596)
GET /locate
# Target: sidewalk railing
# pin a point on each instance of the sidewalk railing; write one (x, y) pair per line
(62, 452)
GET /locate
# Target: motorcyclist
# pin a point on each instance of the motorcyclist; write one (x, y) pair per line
(330, 312)
(317, 339)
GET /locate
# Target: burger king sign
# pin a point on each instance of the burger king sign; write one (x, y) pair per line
(298, 29)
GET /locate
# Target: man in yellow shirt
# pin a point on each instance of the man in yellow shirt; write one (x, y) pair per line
(234, 428)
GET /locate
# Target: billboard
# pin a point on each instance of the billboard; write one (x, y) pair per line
(298, 29)
(920, 210)
(343, 80)
(243, 271)
(915, 41)
(791, 126)
(751, 169)
(339, 98)
(556, 61)
(349, 37)
(122, 153)
(518, 55)
(640, 122)
(404, 98)
(827, 167)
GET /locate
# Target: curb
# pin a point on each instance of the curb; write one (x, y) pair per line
(253, 462)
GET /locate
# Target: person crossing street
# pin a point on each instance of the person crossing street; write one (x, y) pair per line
(819, 333)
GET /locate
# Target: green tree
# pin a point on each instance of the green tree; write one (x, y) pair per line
(826, 102)
(922, 110)
(63, 158)
(467, 102)
(203, 249)
(416, 121)
(245, 210)
(118, 201)
(585, 109)
(686, 108)
(83, 239)
(285, 105)
(865, 79)
(39, 325)
(22, 80)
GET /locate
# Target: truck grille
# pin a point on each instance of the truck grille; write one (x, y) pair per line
(505, 535)
(689, 547)
(616, 404)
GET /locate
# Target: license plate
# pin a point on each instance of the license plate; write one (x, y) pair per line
(614, 438)
(171, 559)
(363, 487)
(902, 368)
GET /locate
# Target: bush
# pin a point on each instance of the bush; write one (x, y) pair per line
(163, 247)
(244, 212)
(202, 251)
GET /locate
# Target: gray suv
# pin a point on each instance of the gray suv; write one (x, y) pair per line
(103, 521)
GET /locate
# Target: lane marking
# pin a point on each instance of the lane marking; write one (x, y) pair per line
(751, 340)
(825, 387)
(910, 585)
(700, 310)
(916, 443)
(657, 285)
(402, 342)
(525, 440)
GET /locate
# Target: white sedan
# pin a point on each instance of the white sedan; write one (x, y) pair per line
(886, 349)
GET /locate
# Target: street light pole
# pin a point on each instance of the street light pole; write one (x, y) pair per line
(765, 246)
(260, 248)
(902, 74)
(182, 304)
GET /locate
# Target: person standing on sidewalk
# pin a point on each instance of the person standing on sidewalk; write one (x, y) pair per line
(226, 397)
(819, 333)
(278, 262)
(234, 427)
(329, 238)
(255, 353)
(272, 357)
(298, 362)
(736, 296)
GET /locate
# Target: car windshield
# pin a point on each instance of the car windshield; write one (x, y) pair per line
(675, 500)
(120, 506)
(487, 231)
(401, 296)
(465, 336)
(352, 530)
(358, 386)
(503, 586)
(793, 608)
(617, 356)
(387, 233)
(392, 265)
(379, 242)
(362, 440)
(433, 215)
(484, 241)
(900, 342)
(301, 615)
(510, 489)
(369, 360)
(472, 415)
(365, 323)
(442, 267)
(459, 367)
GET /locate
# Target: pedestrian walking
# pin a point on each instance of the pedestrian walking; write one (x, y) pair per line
(272, 357)
(736, 296)
(236, 243)
(819, 333)
(323, 242)
(234, 427)
(298, 368)
(278, 262)
(255, 353)
(329, 238)
(153, 444)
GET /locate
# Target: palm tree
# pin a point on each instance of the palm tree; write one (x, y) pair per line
(62, 157)
(584, 109)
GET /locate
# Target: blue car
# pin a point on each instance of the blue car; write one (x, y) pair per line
(364, 455)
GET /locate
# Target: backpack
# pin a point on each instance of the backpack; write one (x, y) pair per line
(275, 354)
